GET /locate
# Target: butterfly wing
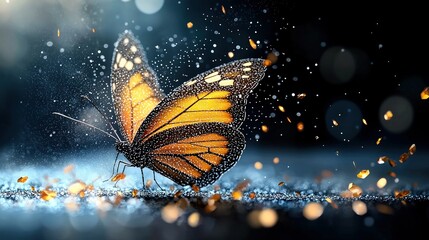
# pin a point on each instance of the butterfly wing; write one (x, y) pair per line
(135, 88)
(196, 154)
(218, 95)
(191, 136)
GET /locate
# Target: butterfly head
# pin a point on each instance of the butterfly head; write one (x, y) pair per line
(130, 153)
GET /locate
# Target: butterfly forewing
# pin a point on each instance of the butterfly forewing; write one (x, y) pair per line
(196, 154)
(135, 88)
(218, 95)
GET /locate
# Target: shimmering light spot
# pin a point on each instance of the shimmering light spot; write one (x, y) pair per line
(258, 165)
(170, 213)
(268, 218)
(359, 207)
(403, 114)
(381, 183)
(313, 211)
(194, 219)
(149, 6)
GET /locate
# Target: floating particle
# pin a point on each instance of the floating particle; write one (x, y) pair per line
(76, 187)
(412, 149)
(32, 188)
(189, 25)
(252, 195)
(383, 208)
(148, 183)
(58, 32)
(195, 188)
(22, 179)
(281, 108)
(313, 211)
(82, 194)
(48, 195)
(332, 203)
(237, 195)
(388, 115)
(425, 93)
(378, 141)
(258, 165)
(241, 186)
(403, 158)
(355, 190)
(170, 213)
(267, 63)
(194, 219)
(401, 194)
(281, 184)
(267, 217)
(178, 194)
(382, 159)
(391, 162)
(364, 121)
(134, 193)
(290, 121)
(334, 122)
(363, 174)
(252, 43)
(359, 207)
(119, 176)
(300, 126)
(272, 57)
(230, 54)
(381, 183)
(69, 168)
(93, 30)
(276, 160)
(392, 174)
(223, 9)
(215, 197)
(264, 128)
(301, 95)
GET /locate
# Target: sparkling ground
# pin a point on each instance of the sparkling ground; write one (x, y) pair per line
(109, 212)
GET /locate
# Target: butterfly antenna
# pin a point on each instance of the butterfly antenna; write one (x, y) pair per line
(102, 114)
(86, 124)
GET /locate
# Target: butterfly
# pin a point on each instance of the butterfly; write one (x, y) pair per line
(191, 135)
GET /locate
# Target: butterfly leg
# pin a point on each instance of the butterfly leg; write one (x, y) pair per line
(123, 169)
(141, 170)
(113, 170)
(156, 181)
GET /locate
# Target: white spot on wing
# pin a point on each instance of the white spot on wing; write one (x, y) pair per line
(246, 69)
(226, 82)
(211, 75)
(133, 49)
(118, 57)
(190, 82)
(115, 66)
(137, 60)
(245, 76)
(122, 62)
(129, 65)
(213, 79)
(113, 86)
(126, 41)
(248, 64)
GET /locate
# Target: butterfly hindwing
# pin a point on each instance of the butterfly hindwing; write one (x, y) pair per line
(135, 88)
(195, 154)
(218, 95)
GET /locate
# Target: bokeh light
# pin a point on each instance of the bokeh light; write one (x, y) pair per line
(337, 65)
(149, 6)
(403, 114)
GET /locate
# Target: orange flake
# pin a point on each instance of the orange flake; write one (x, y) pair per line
(425, 93)
(392, 162)
(148, 183)
(134, 193)
(300, 126)
(364, 121)
(301, 95)
(334, 122)
(392, 174)
(118, 198)
(382, 160)
(401, 194)
(230, 54)
(363, 174)
(69, 168)
(403, 158)
(252, 195)
(237, 195)
(119, 176)
(267, 63)
(90, 187)
(281, 108)
(264, 128)
(58, 32)
(93, 30)
(48, 195)
(32, 188)
(195, 188)
(281, 184)
(388, 115)
(412, 149)
(189, 25)
(178, 194)
(215, 197)
(332, 203)
(355, 190)
(82, 194)
(242, 185)
(378, 141)
(252, 43)
(223, 9)
(382, 208)
(22, 179)
(76, 188)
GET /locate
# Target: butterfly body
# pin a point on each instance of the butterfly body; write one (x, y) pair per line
(191, 135)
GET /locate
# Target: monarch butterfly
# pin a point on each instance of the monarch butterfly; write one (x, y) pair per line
(191, 135)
